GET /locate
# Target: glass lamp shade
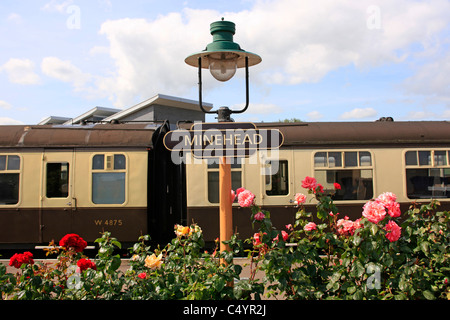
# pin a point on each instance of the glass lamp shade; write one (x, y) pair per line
(223, 65)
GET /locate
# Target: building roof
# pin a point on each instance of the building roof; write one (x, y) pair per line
(159, 99)
(94, 112)
(53, 120)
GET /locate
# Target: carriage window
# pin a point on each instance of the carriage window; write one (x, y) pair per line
(108, 178)
(427, 174)
(57, 180)
(9, 179)
(277, 178)
(213, 178)
(351, 169)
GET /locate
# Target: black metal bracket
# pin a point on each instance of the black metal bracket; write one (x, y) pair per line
(224, 113)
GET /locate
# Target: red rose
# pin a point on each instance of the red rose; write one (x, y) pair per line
(73, 240)
(21, 258)
(85, 264)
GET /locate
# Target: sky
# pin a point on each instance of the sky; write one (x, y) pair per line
(322, 60)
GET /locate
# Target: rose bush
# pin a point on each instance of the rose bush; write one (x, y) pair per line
(378, 256)
(384, 254)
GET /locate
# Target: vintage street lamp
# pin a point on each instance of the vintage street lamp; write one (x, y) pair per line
(222, 57)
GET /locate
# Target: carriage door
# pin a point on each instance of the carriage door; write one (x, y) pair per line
(58, 203)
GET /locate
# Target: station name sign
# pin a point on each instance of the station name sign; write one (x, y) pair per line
(229, 139)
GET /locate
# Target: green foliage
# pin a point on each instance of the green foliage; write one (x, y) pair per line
(305, 261)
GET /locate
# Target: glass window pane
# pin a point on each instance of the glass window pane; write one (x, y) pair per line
(2, 162)
(9, 188)
(425, 158)
(351, 159)
(334, 159)
(57, 180)
(213, 187)
(440, 158)
(213, 184)
(320, 159)
(427, 183)
(236, 180)
(119, 162)
(278, 184)
(13, 163)
(411, 158)
(355, 184)
(108, 187)
(365, 159)
(98, 162)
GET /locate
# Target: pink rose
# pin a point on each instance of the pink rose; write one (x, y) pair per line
(257, 239)
(289, 227)
(386, 197)
(310, 226)
(374, 211)
(142, 275)
(393, 209)
(239, 190)
(309, 183)
(345, 226)
(393, 231)
(259, 216)
(284, 235)
(245, 198)
(233, 196)
(300, 198)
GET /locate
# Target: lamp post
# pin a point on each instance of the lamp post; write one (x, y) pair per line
(222, 57)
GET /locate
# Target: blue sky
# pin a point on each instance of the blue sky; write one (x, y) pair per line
(322, 60)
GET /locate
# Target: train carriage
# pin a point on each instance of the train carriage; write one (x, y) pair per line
(410, 159)
(86, 179)
(59, 179)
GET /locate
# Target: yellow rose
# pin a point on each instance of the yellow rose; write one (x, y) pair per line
(181, 230)
(153, 261)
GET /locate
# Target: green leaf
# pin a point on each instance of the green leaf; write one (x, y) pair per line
(358, 295)
(428, 295)
(374, 229)
(356, 240)
(425, 246)
(351, 290)
(219, 284)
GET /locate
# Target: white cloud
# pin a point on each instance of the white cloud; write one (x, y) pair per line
(65, 71)
(8, 121)
(21, 71)
(299, 42)
(359, 113)
(5, 105)
(431, 78)
(314, 115)
(14, 17)
(57, 5)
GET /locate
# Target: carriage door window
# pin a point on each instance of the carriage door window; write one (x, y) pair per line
(57, 180)
(351, 169)
(427, 174)
(213, 178)
(9, 179)
(276, 177)
(108, 178)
